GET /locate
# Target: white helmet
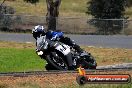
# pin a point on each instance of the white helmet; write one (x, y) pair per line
(37, 31)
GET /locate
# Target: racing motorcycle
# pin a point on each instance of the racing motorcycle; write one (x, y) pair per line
(56, 54)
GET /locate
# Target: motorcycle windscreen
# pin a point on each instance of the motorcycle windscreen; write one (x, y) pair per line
(40, 41)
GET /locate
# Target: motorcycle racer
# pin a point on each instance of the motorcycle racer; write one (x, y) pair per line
(56, 35)
(39, 31)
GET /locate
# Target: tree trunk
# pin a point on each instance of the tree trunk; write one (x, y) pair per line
(52, 13)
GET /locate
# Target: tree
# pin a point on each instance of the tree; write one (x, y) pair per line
(5, 20)
(107, 9)
(52, 12)
(129, 3)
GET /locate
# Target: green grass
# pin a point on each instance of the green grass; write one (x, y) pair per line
(22, 56)
(14, 60)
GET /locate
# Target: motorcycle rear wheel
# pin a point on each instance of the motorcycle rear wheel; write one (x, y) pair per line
(89, 62)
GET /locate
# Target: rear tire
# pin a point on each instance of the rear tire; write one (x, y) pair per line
(89, 62)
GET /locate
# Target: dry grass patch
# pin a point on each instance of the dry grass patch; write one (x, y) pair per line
(67, 8)
(55, 81)
(107, 56)
(4, 44)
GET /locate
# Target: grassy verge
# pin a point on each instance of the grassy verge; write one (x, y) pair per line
(109, 56)
(12, 60)
(22, 56)
(52, 81)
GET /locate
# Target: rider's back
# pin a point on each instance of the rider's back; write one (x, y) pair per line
(52, 34)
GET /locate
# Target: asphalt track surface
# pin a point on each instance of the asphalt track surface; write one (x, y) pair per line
(108, 41)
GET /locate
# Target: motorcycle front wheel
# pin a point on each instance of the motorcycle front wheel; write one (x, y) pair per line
(57, 61)
(49, 67)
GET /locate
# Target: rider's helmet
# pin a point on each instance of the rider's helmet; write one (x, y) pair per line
(37, 31)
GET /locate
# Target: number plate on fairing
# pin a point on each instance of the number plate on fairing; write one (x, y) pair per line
(64, 49)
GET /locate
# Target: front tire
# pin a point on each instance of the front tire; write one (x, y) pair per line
(49, 67)
(57, 61)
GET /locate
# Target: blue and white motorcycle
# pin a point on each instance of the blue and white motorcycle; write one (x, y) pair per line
(57, 54)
